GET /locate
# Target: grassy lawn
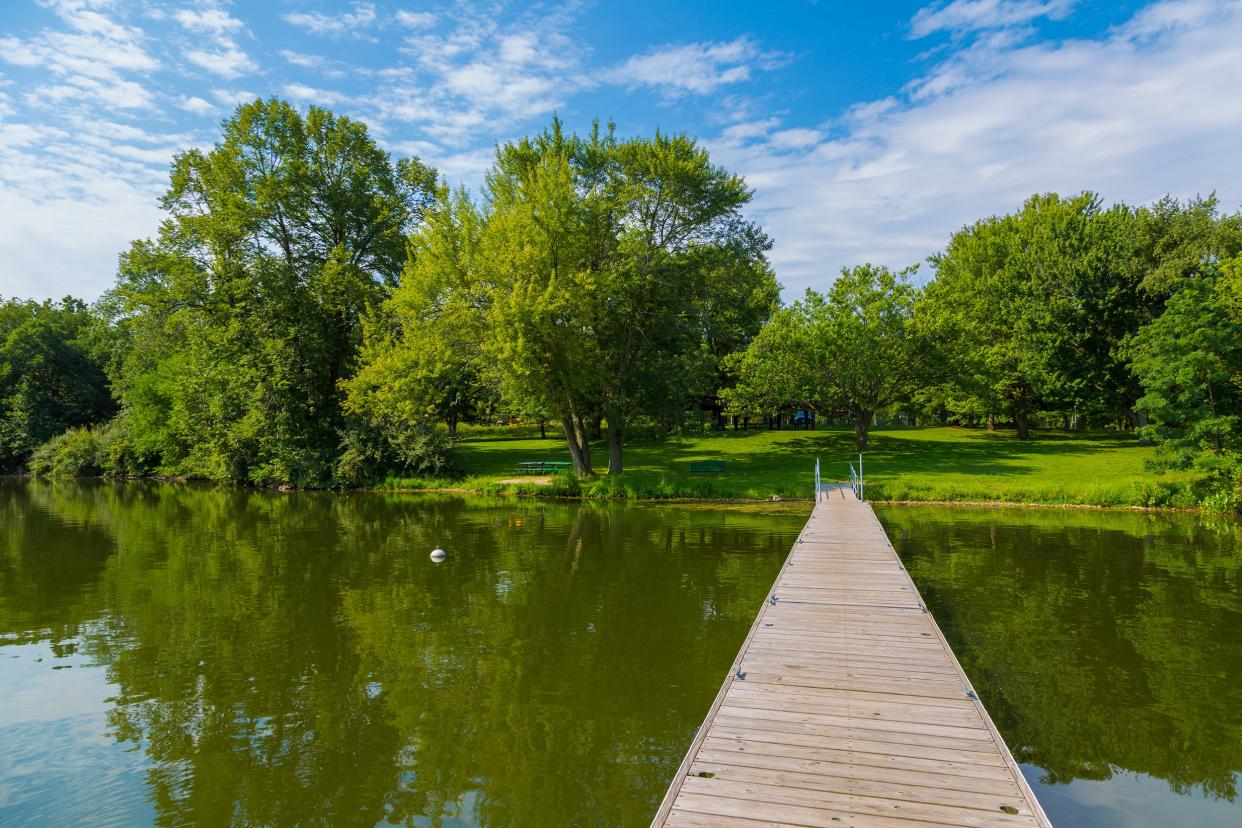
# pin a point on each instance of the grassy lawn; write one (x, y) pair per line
(904, 463)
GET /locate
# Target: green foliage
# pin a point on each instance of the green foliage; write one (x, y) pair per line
(421, 358)
(1010, 304)
(854, 351)
(618, 266)
(370, 451)
(244, 314)
(51, 375)
(1189, 361)
(73, 453)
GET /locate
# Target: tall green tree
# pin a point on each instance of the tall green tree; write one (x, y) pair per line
(1028, 309)
(243, 315)
(51, 375)
(612, 262)
(855, 350)
(1189, 361)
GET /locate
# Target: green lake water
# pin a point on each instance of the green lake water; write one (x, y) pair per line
(181, 655)
(1107, 647)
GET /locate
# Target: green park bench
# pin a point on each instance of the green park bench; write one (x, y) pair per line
(707, 467)
(542, 466)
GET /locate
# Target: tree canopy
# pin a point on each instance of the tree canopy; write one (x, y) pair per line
(244, 314)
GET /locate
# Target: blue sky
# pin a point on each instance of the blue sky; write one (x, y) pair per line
(870, 132)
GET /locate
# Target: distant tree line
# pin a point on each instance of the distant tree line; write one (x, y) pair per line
(314, 313)
(1065, 313)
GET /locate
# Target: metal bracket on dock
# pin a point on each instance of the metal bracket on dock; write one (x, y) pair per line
(970, 694)
(739, 675)
(924, 608)
(772, 600)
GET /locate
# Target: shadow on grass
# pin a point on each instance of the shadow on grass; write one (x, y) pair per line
(783, 461)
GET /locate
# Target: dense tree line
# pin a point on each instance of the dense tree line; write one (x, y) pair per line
(314, 313)
(1065, 313)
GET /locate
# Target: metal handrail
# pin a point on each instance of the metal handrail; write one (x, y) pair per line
(856, 479)
(818, 487)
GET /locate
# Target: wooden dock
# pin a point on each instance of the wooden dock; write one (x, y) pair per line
(845, 706)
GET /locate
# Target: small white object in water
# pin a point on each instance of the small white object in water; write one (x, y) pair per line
(437, 555)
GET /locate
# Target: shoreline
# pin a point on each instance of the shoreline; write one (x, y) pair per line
(702, 502)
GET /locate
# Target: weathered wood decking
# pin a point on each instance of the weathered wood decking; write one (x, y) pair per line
(845, 706)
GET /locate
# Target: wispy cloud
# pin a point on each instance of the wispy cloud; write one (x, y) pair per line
(353, 23)
(981, 15)
(221, 55)
(196, 105)
(211, 20)
(302, 93)
(227, 62)
(482, 75)
(415, 20)
(893, 178)
(698, 68)
(93, 60)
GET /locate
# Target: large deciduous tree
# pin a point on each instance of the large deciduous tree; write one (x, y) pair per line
(243, 314)
(1189, 361)
(614, 260)
(855, 350)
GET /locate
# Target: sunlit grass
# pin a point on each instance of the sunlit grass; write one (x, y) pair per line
(949, 464)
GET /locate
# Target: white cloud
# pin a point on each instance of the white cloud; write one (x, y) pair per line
(699, 68)
(352, 23)
(1175, 14)
(91, 61)
(796, 138)
(1143, 111)
(81, 191)
(228, 61)
(212, 20)
(415, 20)
(196, 105)
(233, 97)
(220, 55)
(319, 64)
(976, 15)
(309, 94)
(481, 76)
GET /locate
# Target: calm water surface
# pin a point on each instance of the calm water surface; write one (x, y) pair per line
(177, 655)
(1107, 646)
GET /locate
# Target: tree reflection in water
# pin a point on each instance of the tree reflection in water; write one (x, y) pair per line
(1100, 641)
(296, 659)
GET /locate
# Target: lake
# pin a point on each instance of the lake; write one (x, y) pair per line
(184, 655)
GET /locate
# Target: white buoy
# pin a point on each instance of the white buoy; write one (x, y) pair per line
(438, 555)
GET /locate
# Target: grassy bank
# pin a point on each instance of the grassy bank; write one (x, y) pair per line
(904, 463)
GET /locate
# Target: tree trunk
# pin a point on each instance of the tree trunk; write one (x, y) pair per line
(616, 435)
(543, 430)
(579, 448)
(991, 422)
(451, 422)
(862, 422)
(1021, 422)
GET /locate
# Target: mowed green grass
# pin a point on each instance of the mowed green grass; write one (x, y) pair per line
(903, 463)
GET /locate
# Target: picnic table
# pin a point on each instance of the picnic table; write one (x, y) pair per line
(707, 467)
(542, 466)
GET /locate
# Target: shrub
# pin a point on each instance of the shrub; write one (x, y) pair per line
(369, 452)
(72, 453)
(119, 453)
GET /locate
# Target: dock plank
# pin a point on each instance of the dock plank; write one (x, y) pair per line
(846, 706)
